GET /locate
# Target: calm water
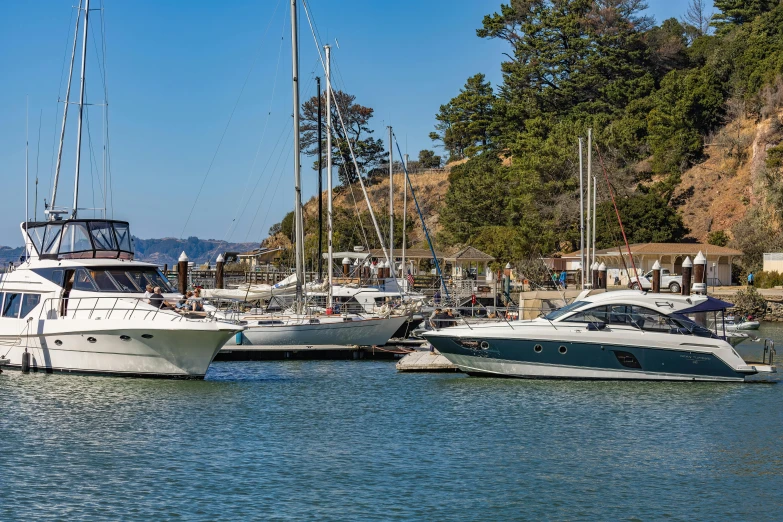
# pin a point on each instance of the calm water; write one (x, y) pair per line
(357, 441)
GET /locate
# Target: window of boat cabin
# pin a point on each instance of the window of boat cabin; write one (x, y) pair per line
(51, 240)
(11, 304)
(564, 310)
(76, 238)
(636, 316)
(83, 281)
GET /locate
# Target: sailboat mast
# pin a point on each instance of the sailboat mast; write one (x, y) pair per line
(297, 164)
(589, 178)
(81, 109)
(392, 272)
(581, 216)
(320, 186)
(26, 158)
(65, 109)
(404, 223)
(328, 50)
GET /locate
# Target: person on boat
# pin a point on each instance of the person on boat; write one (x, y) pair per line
(435, 318)
(182, 304)
(156, 299)
(449, 319)
(198, 304)
(149, 290)
(751, 278)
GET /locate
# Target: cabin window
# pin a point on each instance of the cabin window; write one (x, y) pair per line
(104, 281)
(76, 238)
(51, 241)
(83, 281)
(102, 235)
(564, 310)
(124, 281)
(29, 301)
(599, 314)
(11, 304)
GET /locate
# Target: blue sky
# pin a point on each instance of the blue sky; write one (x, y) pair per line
(175, 71)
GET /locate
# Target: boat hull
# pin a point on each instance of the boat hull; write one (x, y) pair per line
(124, 351)
(580, 360)
(367, 332)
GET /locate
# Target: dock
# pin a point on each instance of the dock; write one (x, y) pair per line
(425, 361)
(389, 351)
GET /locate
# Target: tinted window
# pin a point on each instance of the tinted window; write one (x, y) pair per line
(123, 236)
(11, 305)
(561, 311)
(52, 239)
(103, 280)
(29, 301)
(55, 275)
(36, 236)
(597, 314)
(124, 281)
(83, 281)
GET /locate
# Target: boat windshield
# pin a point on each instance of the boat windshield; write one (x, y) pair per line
(693, 327)
(564, 310)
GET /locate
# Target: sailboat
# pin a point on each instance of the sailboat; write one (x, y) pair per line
(297, 326)
(76, 302)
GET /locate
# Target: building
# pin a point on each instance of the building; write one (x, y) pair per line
(773, 262)
(669, 255)
(464, 263)
(260, 257)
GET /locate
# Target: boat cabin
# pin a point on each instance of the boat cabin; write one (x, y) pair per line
(79, 239)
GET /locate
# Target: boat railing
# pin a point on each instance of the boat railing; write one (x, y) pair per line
(769, 352)
(105, 308)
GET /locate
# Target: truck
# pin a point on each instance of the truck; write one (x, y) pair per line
(669, 281)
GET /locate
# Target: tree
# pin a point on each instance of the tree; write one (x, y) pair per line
(718, 238)
(697, 18)
(647, 218)
(732, 13)
(369, 152)
(428, 160)
(464, 123)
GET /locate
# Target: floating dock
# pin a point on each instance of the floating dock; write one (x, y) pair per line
(425, 361)
(301, 352)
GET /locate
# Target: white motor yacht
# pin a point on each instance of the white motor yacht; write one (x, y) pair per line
(76, 304)
(613, 335)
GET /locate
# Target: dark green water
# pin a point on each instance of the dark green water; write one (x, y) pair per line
(357, 441)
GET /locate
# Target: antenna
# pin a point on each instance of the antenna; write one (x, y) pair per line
(26, 156)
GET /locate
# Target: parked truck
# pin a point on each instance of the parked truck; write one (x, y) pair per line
(669, 281)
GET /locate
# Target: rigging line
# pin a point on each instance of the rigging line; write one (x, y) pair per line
(37, 157)
(356, 209)
(381, 239)
(289, 126)
(57, 104)
(617, 212)
(283, 152)
(228, 124)
(238, 215)
(269, 207)
(108, 189)
(421, 217)
(93, 161)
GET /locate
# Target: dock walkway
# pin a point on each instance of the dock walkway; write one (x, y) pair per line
(425, 361)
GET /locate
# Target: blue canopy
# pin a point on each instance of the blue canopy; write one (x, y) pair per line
(710, 305)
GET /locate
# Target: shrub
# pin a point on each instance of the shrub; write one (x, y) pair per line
(718, 238)
(749, 301)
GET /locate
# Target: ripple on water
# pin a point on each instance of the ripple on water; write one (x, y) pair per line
(355, 440)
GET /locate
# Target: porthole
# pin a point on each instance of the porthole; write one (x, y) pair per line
(125, 337)
(91, 339)
(562, 350)
(484, 345)
(147, 336)
(58, 342)
(538, 348)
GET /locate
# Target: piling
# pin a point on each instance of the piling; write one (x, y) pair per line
(182, 273)
(602, 276)
(687, 270)
(699, 274)
(656, 277)
(346, 266)
(594, 270)
(219, 263)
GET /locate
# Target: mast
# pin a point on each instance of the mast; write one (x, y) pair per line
(65, 111)
(404, 223)
(392, 272)
(81, 109)
(328, 51)
(589, 177)
(320, 187)
(581, 216)
(26, 157)
(297, 165)
(595, 208)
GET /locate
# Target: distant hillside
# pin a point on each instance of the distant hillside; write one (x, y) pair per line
(161, 251)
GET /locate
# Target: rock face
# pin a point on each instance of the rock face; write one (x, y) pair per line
(773, 311)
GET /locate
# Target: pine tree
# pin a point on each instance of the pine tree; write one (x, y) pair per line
(737, 12)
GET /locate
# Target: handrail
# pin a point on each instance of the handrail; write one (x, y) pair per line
(90, 311)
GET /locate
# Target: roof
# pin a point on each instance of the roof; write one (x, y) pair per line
(665, 249)
(412, 253)
(470, 253)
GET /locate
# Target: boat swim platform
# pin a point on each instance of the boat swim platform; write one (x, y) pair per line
(425, 361)
(335, 352)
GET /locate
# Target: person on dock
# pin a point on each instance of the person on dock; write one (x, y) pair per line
(751, 278)
(563, 280)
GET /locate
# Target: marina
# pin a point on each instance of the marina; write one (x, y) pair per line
(566, 306)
